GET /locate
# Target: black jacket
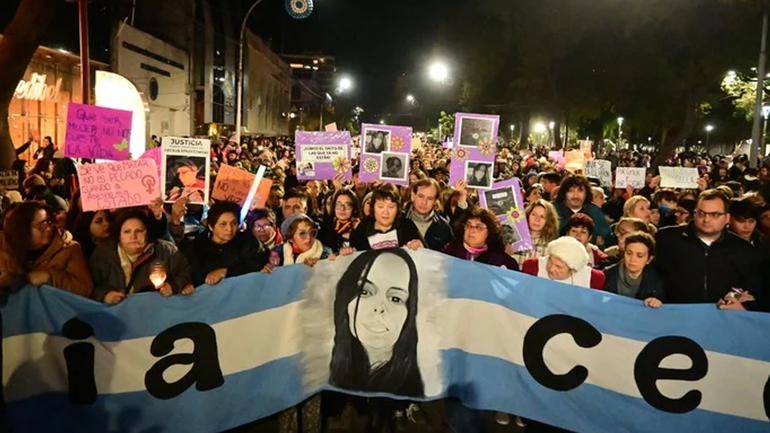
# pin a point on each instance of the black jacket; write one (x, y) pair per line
(244, 254)
(405, 231)
(695, 273)
(651, 286)
(439, 233)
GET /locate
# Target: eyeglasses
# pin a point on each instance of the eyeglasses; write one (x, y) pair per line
(344, 206)
(42, 225)
(702, 215)
(258, 227)
(304, 234)
(475, 228)
(681, 212)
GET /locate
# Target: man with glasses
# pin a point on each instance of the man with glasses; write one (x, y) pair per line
(702, 262)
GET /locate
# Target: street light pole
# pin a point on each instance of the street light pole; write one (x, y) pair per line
(239, 97)
(620, 132)
(85, 63)
(756, 137)
(709, 128)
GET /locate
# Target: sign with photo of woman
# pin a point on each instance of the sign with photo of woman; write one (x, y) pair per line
(322, 155)
(473, 155)
(185, 169)
(505, 200)
(385, 153)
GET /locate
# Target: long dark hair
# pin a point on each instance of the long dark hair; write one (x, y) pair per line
(494, 230)
(81, 231)
(350, 368)
(18, 230)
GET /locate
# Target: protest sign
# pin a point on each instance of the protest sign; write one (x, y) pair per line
(155, 155)
(97, 132)
(332, 127)
(585, 147)
(679, 177)
(505, 201)
(558, 156)
(495, 339)
(601, 170)
(630, 176)
(9, 180)
(322, 155)
(114, 185)
(473, 155)
(234, 184)
(185, 169)
(574, 161)
(385, 153)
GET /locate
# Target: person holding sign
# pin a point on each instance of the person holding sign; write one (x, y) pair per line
(34, 251)
(222, 250)
(133, 262)
(189, 184)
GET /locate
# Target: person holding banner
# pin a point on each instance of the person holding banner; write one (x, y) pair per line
(301, 245)
(133, 261)
(222, 250)
(344, 218)
(34, 251)
(633, 276)
(261, 224)
(480, 239)
(566, 261)
(385, 227)
(90, 229)
(433, 227)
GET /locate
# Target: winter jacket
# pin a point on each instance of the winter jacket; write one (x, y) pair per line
(493, 258)
(532, 267)
(601, 227)
(439, 232)
(404, 229)
(695, 273)
(329, 237)
(244, 254)
(63, 260)
(108, 274)
(651, 285)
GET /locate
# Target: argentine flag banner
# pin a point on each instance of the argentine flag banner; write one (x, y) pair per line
(408, 325)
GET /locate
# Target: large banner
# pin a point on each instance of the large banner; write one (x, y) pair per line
(431, 325)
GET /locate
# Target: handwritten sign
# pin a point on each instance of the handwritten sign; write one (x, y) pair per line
(9, 180)
(629, 176)
(114, 185)
(679, 177)
(97, 132)
(601, 170)
(234, 184)
(574, 160)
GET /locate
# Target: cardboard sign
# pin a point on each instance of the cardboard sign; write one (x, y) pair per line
(185, 169)
(585, 147)
(9, 180)
(558, 156)
(473, 155)
(234, 184)
(600, 169)
(97, 132)
(679, 177)
(574, 160)
(322, 155)
(332, 127)
(386, 153)
(630, 176)
(155, 155)
(506, 202)
(114, 185)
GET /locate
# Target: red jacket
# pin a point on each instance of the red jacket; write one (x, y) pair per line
(532, 267)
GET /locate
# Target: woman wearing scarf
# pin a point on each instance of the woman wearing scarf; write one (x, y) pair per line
(301, 245)
(633, 277)
(261, 224)
(345, 217)
(565, 261)
(480, 239)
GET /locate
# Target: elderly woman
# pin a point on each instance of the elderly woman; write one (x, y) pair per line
(301, 246)
(132, 261)
(633, 277)
(345, 217)
(261, 224)
(34, 251)
(480, 239)
(385, 227)
(565, 261)
(222, 250)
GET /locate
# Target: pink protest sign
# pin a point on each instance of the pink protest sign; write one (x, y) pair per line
(97, 132)
(155, 155)
(113, 185)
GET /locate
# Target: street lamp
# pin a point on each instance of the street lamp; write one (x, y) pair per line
(620, 132)
(709, 128)
(409, 98)
(438, 71)
(382, 122)
(539, 127)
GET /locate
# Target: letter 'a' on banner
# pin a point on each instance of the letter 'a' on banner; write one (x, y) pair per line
(496, 339)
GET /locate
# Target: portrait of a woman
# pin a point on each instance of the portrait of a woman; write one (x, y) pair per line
(375, 310)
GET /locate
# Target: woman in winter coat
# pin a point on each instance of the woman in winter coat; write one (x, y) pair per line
(480, 239)
(633, 277)
(301, 245)
(133, 261)
(385, 227)
(344, 218)
(34, 251)
(222, 250)
(565, 261)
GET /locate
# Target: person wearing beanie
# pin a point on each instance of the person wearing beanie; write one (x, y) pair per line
(565, 261)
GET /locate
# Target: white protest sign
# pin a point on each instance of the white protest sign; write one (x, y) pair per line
(630, 176)
(9, 180)
(679, 177)
(185, 169)
(601, 170)
(323, 152)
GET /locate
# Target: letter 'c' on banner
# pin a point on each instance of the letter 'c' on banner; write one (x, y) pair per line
(585, 335)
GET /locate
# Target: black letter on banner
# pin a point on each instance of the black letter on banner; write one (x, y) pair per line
(79, 357)
(766, 398)
(541, 332)
(205, 372)
(647, 372)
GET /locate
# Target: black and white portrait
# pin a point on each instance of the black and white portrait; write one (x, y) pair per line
(474, 129)
(478, 174)
(393, 166)
(307, 169)
(511, 234)
(500, 200)
(376, 141)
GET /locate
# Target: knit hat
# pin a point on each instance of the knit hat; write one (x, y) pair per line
(570, 250)
(287, 223)
(33, 180)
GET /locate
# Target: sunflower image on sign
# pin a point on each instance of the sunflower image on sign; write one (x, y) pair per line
(486, 147)
(396, 144)
(341, 164)
(514, 215)
(371, 165)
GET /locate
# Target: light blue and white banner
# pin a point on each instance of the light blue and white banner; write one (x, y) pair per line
(419, 325)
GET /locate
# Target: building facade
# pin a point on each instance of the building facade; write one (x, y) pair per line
(312, 89)
(267, 88)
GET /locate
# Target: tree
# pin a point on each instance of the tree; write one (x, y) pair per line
(447, 124)
(17, 46)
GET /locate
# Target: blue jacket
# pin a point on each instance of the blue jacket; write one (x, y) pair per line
(439, 232)
(601, 226)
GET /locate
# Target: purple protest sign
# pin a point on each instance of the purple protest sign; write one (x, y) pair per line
(97, 132)
(322, 155)
(506, 202)
(385, 152)
(473, 155)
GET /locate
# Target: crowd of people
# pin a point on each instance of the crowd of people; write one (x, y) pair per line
(657, 245)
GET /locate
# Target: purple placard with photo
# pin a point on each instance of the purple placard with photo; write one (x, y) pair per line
(385, 152)
(322, 155)
(505, 200)
(473, 153)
